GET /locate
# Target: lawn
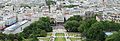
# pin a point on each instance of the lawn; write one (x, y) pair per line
(30, 39)
(60, 39)
(44, 39)
(59, 34)
(75, 39)
(74, 34)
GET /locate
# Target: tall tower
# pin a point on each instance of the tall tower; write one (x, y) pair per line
(103, 2)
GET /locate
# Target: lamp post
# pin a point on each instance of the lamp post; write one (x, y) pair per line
(16, 15)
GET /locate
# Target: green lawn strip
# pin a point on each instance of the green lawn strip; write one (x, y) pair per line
(44, 39)
(60, 39)
(73, 34)
(59, 34)
(75, 39)
(28, 39)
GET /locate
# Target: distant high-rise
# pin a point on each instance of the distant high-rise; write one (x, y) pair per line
(105, 1)
(95, 1)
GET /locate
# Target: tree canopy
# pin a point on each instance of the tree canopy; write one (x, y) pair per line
(25, 5)
(83, 26)
(114, 37)
(95, 32)
(71, 26)
(75, 17)
(49, 2)
(36, 29)
(91, 28)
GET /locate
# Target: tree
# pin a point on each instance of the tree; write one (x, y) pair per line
(95, 34)
(71, 26)
(110, 26)
(31, 32)
(2, 36)
(114, 37)
(11, 37)
(75, 17)
(35, 39)
(86, 24)
(83, 26)
(96, 31)
(20, 36)
(45, 19)
(49, 2)
(90, 21)
(98, 25)
(45, 26)
(25, 5)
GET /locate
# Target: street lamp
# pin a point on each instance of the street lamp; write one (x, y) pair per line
(17, 16)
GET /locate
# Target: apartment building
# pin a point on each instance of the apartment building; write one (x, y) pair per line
(109, 16)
